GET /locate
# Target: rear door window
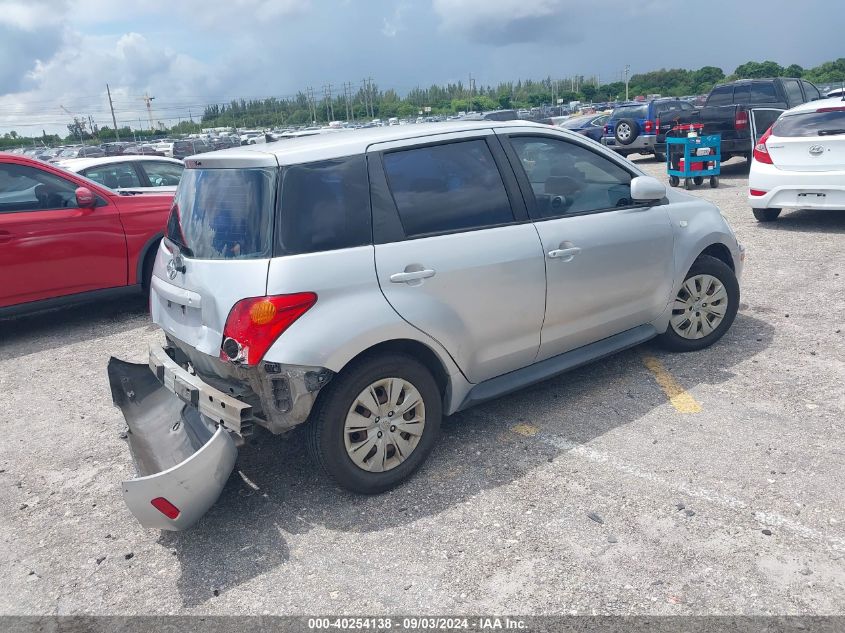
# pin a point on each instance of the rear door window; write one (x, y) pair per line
(324, 206)
(794, 96)
(763, 92)
(114, 175)
(447, 188)
(224, 213)
(742, 93)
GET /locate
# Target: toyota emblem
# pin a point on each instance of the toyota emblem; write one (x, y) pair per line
(174, 266)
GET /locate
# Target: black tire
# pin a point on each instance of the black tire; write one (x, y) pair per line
(631, 125)
(147, 270)
(714, 182)
(687, 183)
(698, 180)
(674, 181)
(660, 157)
(706, 265)
(766, 215)
(326, 425)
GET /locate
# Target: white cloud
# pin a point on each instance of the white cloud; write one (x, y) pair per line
(502, 21)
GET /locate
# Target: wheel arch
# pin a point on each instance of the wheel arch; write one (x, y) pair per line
(721, 252)
(148, 252)
(419, 351)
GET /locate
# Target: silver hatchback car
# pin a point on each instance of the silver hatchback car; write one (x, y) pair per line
(370, 282)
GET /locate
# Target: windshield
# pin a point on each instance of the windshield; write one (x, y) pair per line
(224, 213)
(811, 124)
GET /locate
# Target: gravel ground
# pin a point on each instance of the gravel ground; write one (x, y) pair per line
(586, 494)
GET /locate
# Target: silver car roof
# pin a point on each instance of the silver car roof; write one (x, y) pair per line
(335, 144)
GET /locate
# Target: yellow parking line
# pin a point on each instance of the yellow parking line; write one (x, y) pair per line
(525, 430)
(678, 396)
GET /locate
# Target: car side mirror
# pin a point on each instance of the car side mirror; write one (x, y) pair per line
(85, 198)
(647, 189)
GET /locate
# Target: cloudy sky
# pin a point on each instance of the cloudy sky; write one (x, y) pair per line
(56, 56)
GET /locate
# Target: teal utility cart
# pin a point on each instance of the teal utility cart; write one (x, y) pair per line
(691, 157)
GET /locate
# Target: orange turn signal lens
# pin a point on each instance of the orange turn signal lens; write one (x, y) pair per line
(262, 313)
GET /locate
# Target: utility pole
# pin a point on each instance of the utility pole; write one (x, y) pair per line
(312, 106)
(627, 70)
(471, 90)
(113, 119)
(149, 100)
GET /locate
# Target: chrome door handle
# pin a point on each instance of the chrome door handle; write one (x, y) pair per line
(564, 253)
(416, 275)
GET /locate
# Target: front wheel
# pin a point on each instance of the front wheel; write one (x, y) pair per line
(674, 181)
(704, 308)
(766, 215)
(376, 423)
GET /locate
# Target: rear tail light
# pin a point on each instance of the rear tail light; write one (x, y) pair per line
(757, 192)
(607, 129)
(832, 109)
(761, 152)
(648, 127)
(254, 324)
(165, 507)
(657, 126)
(741, 120)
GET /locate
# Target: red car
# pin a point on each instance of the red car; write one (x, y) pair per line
(64, 238)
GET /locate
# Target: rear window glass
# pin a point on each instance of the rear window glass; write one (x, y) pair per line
(449, 187)
(631, 112)
(811, 124)
(721, 95)
(224, 213)
(324, 206)
(763, 92)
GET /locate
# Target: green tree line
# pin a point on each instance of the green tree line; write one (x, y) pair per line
(372, 102)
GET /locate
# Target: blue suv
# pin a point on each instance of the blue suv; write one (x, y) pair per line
(640, 128)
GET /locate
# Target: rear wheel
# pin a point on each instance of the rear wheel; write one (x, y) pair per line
(674, 181)
(147, 270)
(704, 308)
(698, 180)
(376, 423)
(766, 215)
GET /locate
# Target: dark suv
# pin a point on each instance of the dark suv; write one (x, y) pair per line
(640, 128)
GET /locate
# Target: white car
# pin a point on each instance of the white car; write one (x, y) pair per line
(130, 172)
(799, 163)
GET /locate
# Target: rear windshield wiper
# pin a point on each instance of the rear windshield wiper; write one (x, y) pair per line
(831, 132)
(184, 249)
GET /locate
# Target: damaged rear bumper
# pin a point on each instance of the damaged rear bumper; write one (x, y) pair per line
(182, 438)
